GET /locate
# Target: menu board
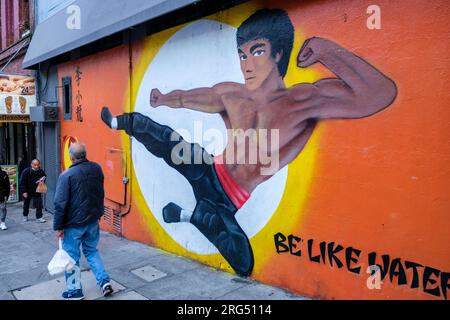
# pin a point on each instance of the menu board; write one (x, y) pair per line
(17, 94)
(11, 171)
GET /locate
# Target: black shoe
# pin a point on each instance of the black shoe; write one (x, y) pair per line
(106, 116)
(171, 213)
(218, 224)
(73, 295)
(107, 289)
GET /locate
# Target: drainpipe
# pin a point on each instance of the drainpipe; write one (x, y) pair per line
(127, 177)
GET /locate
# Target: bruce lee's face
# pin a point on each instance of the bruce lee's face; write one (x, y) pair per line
(256, 62)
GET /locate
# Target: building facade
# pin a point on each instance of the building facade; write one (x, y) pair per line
(17, 133)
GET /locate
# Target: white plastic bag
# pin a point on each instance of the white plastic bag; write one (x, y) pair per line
(60, 262)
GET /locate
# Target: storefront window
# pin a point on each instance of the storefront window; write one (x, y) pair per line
(67, 97)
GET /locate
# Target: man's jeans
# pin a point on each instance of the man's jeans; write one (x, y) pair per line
(3, 211)
(88, 237)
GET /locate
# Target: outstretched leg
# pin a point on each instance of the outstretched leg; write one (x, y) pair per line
(217, 223)
(213, 215)
(163, 142)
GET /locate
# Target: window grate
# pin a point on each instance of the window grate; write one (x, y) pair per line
(67, 97)
(117, 223)
(113, 219)
(107, 215)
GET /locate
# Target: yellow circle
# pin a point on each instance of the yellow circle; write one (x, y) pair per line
(300, 171)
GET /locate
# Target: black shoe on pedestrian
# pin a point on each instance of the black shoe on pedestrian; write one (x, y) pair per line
(73, 295)
(107, 289)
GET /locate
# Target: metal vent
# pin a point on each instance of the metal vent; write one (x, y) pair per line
(117, 223)
(107, 217)
(113, 219)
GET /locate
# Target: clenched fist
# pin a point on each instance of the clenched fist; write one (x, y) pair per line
(155, 98)
(312, 50)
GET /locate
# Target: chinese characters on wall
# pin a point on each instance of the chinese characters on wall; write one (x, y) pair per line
(78, 97)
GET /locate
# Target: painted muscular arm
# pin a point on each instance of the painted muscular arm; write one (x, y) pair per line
(359, 90)
(200, 99)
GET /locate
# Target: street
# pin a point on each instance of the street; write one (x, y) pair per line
(138, 271)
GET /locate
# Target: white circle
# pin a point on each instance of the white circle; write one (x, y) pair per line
(201, 54)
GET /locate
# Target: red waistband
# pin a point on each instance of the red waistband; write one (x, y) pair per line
(235, 192)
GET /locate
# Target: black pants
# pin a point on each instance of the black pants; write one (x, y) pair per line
(37, 200)
(214, 213)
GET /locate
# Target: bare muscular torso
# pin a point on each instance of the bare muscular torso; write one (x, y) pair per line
(278, 110)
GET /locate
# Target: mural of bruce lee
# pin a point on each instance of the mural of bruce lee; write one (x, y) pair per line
(264, 44)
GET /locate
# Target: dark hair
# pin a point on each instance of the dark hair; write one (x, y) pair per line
(275, 26)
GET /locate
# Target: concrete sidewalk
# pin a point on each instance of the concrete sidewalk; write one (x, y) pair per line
(138, 272)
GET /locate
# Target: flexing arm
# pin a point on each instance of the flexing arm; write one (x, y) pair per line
(359, 90)
(200, 99)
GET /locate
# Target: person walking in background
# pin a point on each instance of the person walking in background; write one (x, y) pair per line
(4, 195)
(29, 181)
(22, 164)
(78, 209)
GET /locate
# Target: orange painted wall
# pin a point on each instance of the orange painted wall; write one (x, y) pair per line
(104, 82)
(379, 184)
(382, 182)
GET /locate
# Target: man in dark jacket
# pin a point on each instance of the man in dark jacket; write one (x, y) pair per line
(78, 209)
(29, 181)
(22, 163)
(4, 195)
